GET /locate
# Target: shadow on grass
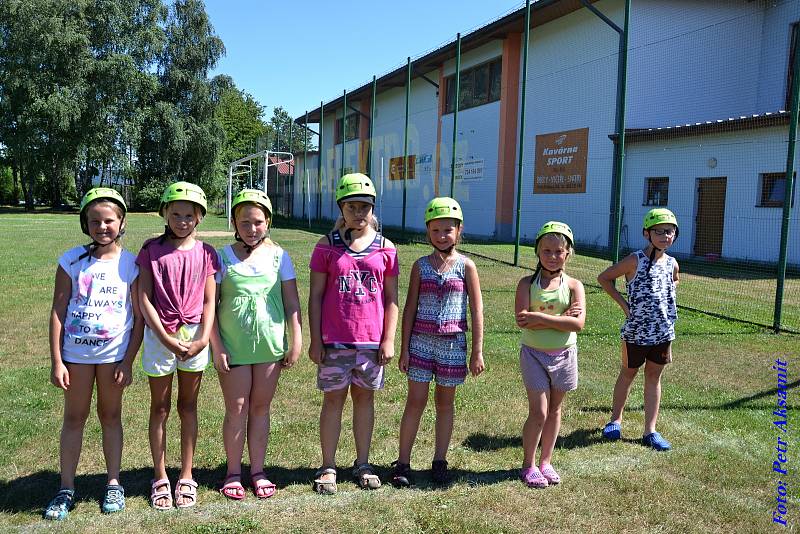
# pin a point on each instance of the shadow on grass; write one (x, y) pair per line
(31, 493)
(576, 439)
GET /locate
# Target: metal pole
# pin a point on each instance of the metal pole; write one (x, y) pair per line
(287, 180)
(344, 128)
(230, 186)
(319, 159)
(455, 116)
(619, 148)
(522, 126)
(371, 125)
(405, 143)
(788, 190)
(305, 167)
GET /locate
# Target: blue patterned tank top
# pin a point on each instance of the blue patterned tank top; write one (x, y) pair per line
(651, 299)
(442, 302)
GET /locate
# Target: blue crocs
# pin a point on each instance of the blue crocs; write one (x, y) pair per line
(114, 501)
(612, 431)
(656, 441)
(59, 507)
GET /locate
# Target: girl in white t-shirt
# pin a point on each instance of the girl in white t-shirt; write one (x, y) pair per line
(95, 332)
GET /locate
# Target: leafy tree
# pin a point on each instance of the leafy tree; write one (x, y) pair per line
(180, 138)
(282, 131)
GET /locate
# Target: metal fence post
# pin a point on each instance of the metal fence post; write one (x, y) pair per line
(522, 125)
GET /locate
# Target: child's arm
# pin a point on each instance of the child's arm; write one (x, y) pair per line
(316, 351)
(476, 364)
(676, 274)
(627, 268)
(522, 301)
(206, 321)
(59, 374)
(123, 374)
(390, 312)
(291, 310)
(409, 316)
(150, 315)
(219, 353)
(565, 322)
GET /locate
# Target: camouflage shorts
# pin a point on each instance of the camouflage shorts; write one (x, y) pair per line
(342, 367)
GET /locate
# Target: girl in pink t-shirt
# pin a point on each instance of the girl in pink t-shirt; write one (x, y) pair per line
(352, 310)
(177, 296)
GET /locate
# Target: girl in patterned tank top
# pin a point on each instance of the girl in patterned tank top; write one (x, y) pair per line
(434, 341)
(649, 327)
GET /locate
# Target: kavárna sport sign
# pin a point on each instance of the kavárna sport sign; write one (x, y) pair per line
(561, 162)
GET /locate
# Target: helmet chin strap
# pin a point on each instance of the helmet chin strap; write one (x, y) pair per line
(447, 250)
(248, 248)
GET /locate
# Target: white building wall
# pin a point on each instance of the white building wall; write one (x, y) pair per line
(750, 232)
(478, 137)
(693, 61)
(774, 59)
(572, 84)
(388, 144)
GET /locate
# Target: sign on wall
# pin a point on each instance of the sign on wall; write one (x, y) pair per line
(469, 169)
(396, 167)
(561, 162)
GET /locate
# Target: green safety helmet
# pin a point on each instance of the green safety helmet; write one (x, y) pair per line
(356, 185)
(555, 227)
(659, 216)
(98, 193)
(183, 191)
(443, 208)
(252, 195)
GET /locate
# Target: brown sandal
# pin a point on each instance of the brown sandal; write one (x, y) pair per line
(322, 486)
(365, 476)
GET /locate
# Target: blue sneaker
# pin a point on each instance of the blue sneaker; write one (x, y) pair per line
(612, 431)
(59, 507)
(656, 441)
(114, 501)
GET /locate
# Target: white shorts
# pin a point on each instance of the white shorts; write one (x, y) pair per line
(157, 360)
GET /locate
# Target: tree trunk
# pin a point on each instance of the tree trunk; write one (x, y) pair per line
(27, 186)
(15, 178)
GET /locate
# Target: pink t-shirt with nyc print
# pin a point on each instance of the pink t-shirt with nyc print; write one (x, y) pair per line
(179, 280)
(352, 305)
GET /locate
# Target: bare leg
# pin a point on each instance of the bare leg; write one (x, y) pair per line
(622, 388)
(160, 404)
(265, 383)
(77, 402)
(363, 420)
(236, 387)
(109, 411)
(188, 389)
(330, 426)
(652, 395)
(445, 398)
(416, 401)
(532, 430)
(551, 426)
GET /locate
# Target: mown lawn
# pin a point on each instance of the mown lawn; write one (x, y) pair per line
(716, 409)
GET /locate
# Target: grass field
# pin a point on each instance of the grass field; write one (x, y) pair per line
(716, 409)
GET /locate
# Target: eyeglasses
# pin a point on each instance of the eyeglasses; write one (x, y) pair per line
(669, 232)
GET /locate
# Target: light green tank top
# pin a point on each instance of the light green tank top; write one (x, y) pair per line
(551, 302)
(250, 312)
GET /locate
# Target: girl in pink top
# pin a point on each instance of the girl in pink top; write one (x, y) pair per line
(177, 296)
(354, 282)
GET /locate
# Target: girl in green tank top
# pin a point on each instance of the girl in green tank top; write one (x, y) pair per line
(256, 335)
(550, 309)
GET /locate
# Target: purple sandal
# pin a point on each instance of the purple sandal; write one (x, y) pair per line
(533, 478)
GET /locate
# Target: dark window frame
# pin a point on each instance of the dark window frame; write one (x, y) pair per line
(651, 187)
(765, 191)
(492, 81)
(353, 126)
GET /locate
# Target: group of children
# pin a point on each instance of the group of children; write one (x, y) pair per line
(179, 297)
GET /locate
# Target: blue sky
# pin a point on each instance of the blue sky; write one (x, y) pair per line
(294, 54)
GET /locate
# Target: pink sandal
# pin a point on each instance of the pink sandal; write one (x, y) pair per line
(232, 489)
(550, 474)
(533, 478)
(263, 488)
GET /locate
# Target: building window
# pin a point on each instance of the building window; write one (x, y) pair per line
(353, 121)
(479, 85)
(773, 189)
(790, 77)
(656, 192)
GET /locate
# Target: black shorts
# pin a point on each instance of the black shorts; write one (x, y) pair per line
(634, 356)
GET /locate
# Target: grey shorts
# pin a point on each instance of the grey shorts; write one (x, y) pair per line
(342, 367)
(542, 371)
